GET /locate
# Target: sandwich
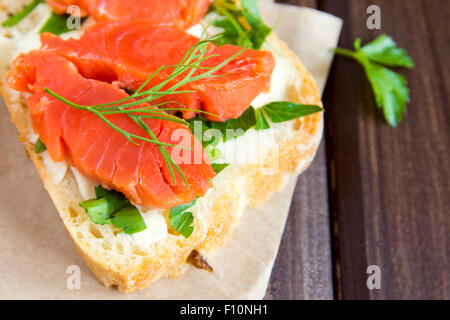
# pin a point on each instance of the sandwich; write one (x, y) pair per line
(154, 127)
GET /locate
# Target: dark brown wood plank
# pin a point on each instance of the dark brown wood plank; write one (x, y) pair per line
(389, 188)
(304, 3)
(302, 268)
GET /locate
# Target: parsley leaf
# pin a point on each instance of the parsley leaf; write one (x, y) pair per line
(384, 50)
(282, 111)
(112, 207)
(391, 92)
(243, 123)
(116, 200)
(276, 111)
(15, 19)
(259, 31)
(129, 219)
(182, 220)
(218, 167)
(39, 146)
(101, 192)
(242, 26)
(98, 210)
(390, 88)
(261, 121)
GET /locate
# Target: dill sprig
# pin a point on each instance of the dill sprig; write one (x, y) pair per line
(183, 73)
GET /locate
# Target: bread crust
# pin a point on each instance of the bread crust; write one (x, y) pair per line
(216, 215)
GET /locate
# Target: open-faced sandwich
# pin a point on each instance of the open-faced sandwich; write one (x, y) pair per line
(154, 125)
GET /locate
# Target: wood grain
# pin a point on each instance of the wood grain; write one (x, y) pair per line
(303, 266)
(389, 188)
(304, 3)
(390, 200)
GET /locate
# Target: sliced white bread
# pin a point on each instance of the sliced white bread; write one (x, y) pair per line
(130, 262)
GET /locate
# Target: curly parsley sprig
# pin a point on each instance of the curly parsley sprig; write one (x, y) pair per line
(390, 88)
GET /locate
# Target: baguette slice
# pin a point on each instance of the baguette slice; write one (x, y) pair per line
(132, 266)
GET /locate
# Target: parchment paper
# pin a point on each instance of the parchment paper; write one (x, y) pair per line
(35, 250)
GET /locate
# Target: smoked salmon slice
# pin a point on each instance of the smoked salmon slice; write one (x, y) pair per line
(97, 150)
(176, 13)
(129, 52)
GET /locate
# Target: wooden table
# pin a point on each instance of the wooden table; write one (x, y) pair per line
(386, 190)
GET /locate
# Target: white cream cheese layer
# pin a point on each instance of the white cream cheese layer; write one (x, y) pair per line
(25, 37)
(156, 229)
(86, 186)
(283, 74)
(26, 34)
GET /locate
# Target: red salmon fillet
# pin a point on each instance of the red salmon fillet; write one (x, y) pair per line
(97, 150)
(176, 13)
(131, 51)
